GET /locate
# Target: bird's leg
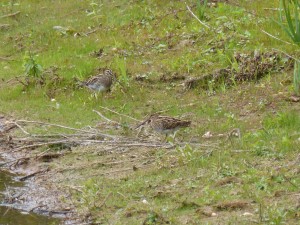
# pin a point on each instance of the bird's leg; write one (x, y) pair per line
(172, 139)
(166, 138)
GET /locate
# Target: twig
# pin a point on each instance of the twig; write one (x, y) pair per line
(105, 118)
(6, 59)
(288, 180)
(278, 39)
(36, 207)
(120, 114)
(33, 174)
(39, 145)
(274, 9)
(15, 78)
(107, 196)
(75, 188)
(260, 213)
(92, 31)
(196, 16)
(114, 171)
(286, 54)
(21, 128)
(14, 160)
(11, 15)
(66, 127)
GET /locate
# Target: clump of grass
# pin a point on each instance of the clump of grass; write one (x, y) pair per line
(292, 28)
(201, 9)
(121, 65)
(297, 77)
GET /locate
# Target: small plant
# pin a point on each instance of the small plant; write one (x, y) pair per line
(186, 153)
(151, 218)
(201, 8)
(297, 77)
(261, 184)
(32, 68)
(292, 28)
(211, 86)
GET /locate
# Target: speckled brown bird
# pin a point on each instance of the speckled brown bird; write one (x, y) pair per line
(100, 82)
(165, 124)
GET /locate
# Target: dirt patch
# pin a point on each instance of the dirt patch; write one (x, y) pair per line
(245, 67)
(228, 180)
(233, 205)
(51, 165)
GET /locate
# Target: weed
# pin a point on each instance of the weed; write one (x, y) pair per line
(262, 184)
(293, 23)
(275, 215)
(297, 78)
(151, 219)
(31, 67)
(293, 30)
(186, 153)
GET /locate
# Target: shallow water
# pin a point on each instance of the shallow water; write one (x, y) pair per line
(10, 216)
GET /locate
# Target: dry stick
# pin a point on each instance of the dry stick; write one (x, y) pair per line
(130, 144)
(288, 180)
(114, 171)
(102, 204)
(65, 127)
(36, 207)
(39, 145)
(92, 31)
(10, 15)
(286, 54)
(196, 16)
(105, 118)
(6, 59)
(33, 174)
(43, 153)
(21, 128)
(15, 78)
(75, 188)
(12, 161)
(274, 9)
(120, 114)
(278, 39)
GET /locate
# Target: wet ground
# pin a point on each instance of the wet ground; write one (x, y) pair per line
(11, 216)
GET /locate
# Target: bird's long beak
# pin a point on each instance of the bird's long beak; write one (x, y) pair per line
(141, 124)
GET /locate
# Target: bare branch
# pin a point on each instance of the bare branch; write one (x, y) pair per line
(120, 114)
(105, 118)
(196, 16)
(278, 39)
(11, 15)
(66, 127)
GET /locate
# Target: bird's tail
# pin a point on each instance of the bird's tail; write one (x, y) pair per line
(185, 123)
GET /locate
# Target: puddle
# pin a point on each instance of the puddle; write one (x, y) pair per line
(11, 216)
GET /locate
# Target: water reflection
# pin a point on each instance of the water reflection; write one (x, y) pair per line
(9, 216)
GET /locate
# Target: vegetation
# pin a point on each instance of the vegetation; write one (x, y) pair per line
(155, 47)
(293, 30)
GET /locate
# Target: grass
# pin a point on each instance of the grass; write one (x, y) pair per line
(153, 39)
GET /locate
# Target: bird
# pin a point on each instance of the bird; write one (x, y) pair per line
(101, 82)
(165, 124)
